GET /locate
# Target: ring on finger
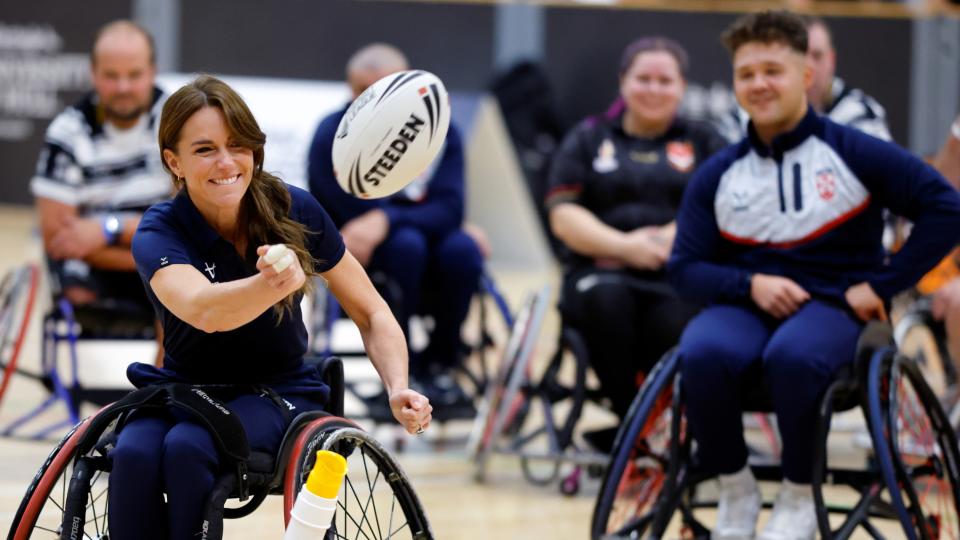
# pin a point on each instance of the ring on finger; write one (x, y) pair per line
(419, 429)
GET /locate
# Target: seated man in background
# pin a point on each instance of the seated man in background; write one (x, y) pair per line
(412, 241)
(98, 171)
(830, 96)
(781, 236)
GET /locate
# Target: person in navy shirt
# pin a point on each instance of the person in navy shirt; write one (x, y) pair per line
(414, 238)
(781, 236)
(228, 316)
(615, 187)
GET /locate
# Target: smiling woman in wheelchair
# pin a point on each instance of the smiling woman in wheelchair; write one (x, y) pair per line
(781, 235)
(230, 318)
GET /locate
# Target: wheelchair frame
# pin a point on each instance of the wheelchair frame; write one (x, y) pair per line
(653, 474)
(501, 423)
(88, 454)
(326, 312)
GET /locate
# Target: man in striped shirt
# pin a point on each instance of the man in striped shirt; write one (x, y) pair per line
(830, 96)
(99, 170)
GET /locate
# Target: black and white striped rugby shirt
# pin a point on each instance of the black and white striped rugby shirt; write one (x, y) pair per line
(90, 164)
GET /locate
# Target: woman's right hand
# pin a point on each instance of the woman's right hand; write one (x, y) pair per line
(412, 410)
(643, 250)
(288, 280)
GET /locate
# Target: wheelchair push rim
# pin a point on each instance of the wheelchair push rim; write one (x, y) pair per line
(644, 459)
(376, 500)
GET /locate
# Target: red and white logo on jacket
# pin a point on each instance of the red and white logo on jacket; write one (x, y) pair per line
(680, 156)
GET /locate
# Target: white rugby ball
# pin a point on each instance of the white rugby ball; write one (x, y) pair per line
(391, 133)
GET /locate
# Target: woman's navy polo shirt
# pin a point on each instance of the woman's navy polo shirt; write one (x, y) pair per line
(261, 351)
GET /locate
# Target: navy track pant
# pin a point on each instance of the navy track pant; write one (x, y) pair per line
(168, 452)
(727, 349)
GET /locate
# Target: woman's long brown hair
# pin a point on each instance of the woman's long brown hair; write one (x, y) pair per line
(263, 217)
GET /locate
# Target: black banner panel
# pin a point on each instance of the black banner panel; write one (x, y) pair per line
(44, 66)
(313, 40)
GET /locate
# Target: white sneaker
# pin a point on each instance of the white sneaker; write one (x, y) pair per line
(794, 516)
(739, 506)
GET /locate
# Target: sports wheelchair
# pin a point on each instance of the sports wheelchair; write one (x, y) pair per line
(913, 477)
(68, 496)
(534, 419)
(67, 329)
(536, 415)
(490, 309)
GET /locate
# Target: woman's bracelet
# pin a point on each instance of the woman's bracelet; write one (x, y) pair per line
(955, 128)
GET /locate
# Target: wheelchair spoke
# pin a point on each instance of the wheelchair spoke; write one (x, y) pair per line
(52, 531)
(357, 498)
(370, 499)
(390, 525)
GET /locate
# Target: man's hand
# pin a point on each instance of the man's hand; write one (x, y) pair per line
(411, 409)
(644, 249)
(364, 233)
(946, 299)
(865, 303)
(76, 238)
(777, 295)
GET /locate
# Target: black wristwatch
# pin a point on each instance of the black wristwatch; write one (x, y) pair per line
(111, 229)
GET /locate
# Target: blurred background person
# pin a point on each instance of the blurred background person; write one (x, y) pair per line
(411, 243)
(98, 171)
(615, 187)
(946, 299)
(830, 95)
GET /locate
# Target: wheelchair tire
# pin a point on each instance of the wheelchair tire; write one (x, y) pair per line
(921, 449)
(506, 402)
(67, 488)
(18, 292)
(373, 490)
(645, 459)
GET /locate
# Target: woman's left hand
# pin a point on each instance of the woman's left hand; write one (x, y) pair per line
(411, 409)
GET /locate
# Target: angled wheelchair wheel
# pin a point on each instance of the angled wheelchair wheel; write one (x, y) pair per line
(18, 291)
(646, 461)
(68, 496)
(933, 360)
(923, 452)
(506, 400)
(376, 500)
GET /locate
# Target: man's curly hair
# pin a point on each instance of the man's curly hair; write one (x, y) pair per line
(767, 27)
